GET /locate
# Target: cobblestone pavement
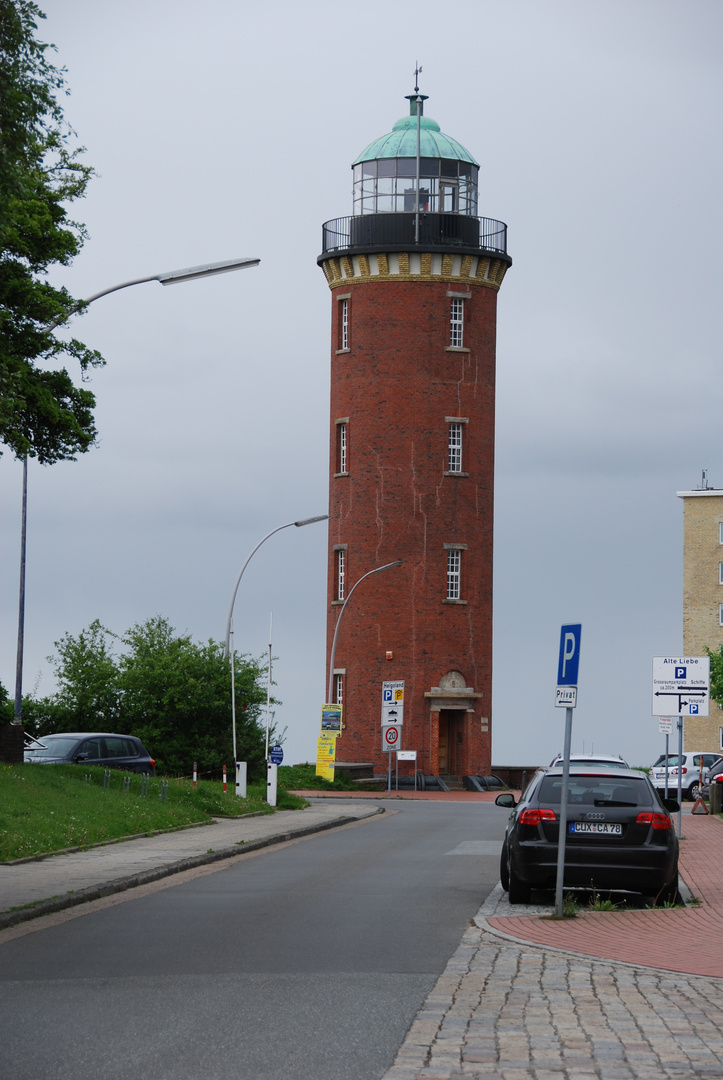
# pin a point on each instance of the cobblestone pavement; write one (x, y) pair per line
(517, 1001)
(513, 1012)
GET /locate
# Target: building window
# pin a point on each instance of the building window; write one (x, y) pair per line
(455, 448)
(720, 532)
(454, 574)
(720, 614)
(340, 571)
(343, 323)
(338, 689)
(341, 447)
(720, 573)
(456, 322)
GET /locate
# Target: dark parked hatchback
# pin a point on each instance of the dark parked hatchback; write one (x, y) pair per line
(93, 748)
(619, 835)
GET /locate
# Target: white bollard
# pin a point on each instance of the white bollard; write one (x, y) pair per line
(241, 779)
(271, 774)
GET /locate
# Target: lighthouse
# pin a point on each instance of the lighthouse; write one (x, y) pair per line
(414, 274)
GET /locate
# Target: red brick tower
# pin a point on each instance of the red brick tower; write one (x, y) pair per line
(414, 276)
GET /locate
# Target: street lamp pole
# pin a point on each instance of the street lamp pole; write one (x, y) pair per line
(229, 648)
(166, 277)
(376, 570)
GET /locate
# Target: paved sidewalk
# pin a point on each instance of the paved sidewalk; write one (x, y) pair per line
(62, 881)
(688, 939)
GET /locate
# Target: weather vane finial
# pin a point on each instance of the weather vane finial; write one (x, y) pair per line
(417, 72)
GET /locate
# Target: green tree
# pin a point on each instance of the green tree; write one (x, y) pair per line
(86, 673)
(172, 693)
(176, 697)
(716, 674)
(42, 413)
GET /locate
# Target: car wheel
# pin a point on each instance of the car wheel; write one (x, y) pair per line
(504, 869)
(694, 791)
(519, 892)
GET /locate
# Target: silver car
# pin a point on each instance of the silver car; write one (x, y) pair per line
(693, 769)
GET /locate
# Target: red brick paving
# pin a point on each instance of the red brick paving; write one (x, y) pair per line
(687, 940)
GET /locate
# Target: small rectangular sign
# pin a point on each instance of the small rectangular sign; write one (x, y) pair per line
(331, 719)
(681, 685)
(390, 737)
(569, 658)
(406, 755)
(665, 727)
(393, 702)
(566, 697)
(325, 756)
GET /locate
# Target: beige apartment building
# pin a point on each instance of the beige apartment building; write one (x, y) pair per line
(703, 599)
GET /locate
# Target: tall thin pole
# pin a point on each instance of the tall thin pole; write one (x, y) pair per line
(21, 603)
(562, 836)
(233, 696)
(376, 570)
(268, 685)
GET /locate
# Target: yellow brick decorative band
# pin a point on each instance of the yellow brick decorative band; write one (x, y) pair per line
(484, 270)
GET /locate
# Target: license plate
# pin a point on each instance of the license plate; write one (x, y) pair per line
(595, 828)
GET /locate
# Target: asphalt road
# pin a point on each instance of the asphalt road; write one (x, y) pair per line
(307, 962)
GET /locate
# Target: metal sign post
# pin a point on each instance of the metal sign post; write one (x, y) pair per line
(665, 727)
(566, 697)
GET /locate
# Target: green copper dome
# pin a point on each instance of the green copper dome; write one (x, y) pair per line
(401, 142)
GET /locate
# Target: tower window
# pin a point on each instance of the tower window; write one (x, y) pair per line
(455, 447)
(456, 323)
(342, 445)
(340, 573)
(338, 689)
(454, 574)
(343, 323)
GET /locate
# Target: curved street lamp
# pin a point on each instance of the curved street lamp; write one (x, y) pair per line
(229, 651)
(166, 277)
(376, 570)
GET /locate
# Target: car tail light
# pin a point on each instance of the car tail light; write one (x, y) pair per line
(658, 821)
(153, 763)
(534, 817)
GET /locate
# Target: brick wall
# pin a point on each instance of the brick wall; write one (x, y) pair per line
(395, 387)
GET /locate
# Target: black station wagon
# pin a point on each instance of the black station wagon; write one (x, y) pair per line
(620, 836)
(93, 748)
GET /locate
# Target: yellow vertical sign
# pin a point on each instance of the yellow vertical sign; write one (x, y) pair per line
(325, 756)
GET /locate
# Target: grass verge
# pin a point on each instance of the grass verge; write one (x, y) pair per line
(46, 808)
(304, 778)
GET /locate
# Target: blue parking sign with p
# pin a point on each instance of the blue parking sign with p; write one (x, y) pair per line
(569, 655)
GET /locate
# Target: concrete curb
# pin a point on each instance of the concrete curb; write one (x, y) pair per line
(96, 892)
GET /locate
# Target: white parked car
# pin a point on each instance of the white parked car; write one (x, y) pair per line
(597, 761)
(690, 767)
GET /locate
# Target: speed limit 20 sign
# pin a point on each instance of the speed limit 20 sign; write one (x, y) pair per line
(390, 737)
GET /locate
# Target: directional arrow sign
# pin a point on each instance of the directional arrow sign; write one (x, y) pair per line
(681, 685)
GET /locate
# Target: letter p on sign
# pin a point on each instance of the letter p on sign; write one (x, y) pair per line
(569, 655)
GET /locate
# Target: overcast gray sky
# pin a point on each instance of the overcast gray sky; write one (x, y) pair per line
(228, 128)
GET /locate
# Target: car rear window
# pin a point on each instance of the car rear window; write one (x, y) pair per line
(117, 747)
(596, 791)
